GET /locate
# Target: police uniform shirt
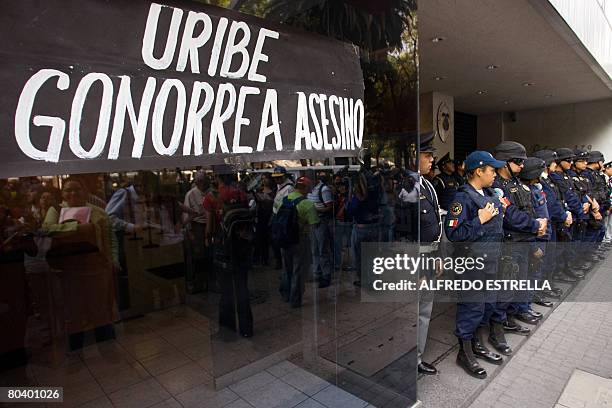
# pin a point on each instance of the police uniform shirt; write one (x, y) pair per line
(581, 187)
(556, 208)
(446, 186)
(428, 208)
(462, 222)
(567, 193)
(516, 219)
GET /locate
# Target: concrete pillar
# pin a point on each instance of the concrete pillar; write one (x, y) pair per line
(437, 115)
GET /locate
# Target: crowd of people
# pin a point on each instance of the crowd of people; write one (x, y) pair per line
(310, 225)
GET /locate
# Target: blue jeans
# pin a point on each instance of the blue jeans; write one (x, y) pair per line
(319, 247)
(362, 233)
(342, 239)
(387, 224)
(295, 263)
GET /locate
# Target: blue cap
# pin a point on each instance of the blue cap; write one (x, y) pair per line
(481, 158)
(279, 171)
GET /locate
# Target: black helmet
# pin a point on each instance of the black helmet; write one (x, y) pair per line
(533, 168)
(548, 156)
(565, 154)
(581, 154)
(595, 157)
(509, 150)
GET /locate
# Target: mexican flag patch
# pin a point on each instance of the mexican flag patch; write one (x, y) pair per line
(453, 223)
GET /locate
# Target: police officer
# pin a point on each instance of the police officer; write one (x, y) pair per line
(608, 175)
(583, 231)
(599, 193)
(564, 248)
(476, 216)
(521, 225)
(460, 170)
(426, 209)
(447, 182)
(530, 175)
(560, 218)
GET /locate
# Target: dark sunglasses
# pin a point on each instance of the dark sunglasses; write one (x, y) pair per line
(518, 162)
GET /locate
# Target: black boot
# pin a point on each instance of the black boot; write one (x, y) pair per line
(498, 339)
(511, 326)
(467, 361)
(481, 351)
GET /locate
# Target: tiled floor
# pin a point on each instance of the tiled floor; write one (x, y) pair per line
(167, 358)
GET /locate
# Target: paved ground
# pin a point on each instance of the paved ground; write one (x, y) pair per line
(575, 336)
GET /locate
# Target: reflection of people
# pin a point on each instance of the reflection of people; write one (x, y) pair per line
(476, 215)
(122, 210)
(195, 221)
(265, 200)
(284, 186)
(320, 234)
(296, 256)
(48, 198)
(88, 283)
(233, 266)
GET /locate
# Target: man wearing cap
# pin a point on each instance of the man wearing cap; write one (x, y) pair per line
(447, 182)
(560, 217)
(476, 216)
(296, 257)
(460, 170)
(284, 186)
(320, 235)
(427, 211)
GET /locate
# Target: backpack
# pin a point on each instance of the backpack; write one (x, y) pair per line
(285, 227)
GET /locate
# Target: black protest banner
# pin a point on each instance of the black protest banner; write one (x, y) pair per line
(99, 85)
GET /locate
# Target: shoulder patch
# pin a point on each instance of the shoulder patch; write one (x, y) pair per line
(456, 209)
(513, 190)
(525, 187)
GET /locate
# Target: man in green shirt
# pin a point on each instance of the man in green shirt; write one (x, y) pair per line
(296, 258)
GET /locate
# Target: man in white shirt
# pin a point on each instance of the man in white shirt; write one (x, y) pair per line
(284, 187)
(194, 220)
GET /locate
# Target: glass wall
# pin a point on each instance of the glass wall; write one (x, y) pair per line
(139, 283)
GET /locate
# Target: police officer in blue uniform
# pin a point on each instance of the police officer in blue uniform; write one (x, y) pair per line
(476, 216)
(582, 234)
(596, 229)
(560, 218)
(425, 211)
(447, 182)
(564, 238)
(521, 225)
(531, 175)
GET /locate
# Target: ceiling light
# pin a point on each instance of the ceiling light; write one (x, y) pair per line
(492, 67)
(439, 78)
(481, 92)
(507, 102)
(437, 39)
(528, 83)
(548, 96)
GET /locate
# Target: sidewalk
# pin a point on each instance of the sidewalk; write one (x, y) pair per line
(575, 336)
(572, 335)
